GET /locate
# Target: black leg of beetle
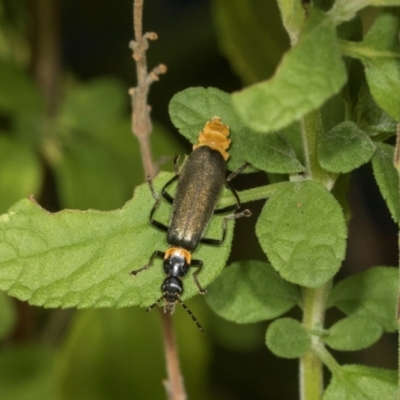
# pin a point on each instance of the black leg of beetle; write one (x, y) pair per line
(236, 206)
(232, 207)
(155, 223)
(157, 253)
(234, 174)
(164, 192)
(245, 213)
(199, 265)
(176, 165)
(154, 304)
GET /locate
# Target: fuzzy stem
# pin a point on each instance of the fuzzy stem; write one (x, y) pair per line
(311, 130)
(311, 372)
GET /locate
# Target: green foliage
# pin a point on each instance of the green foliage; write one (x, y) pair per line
(251, 291)
(300, 213)
(370, 117)
(344, 148)
(293, 17)
(286, 97)
(252, 46)
(193, 107)
(358, 382)
(326, 110)
(387, 178)
(383, 72)
(83, 259)
(372, 293)
(353, 333)
(270, 152)
(287, 338)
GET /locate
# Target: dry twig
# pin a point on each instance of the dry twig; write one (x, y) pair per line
(141, 123)
(141, 128)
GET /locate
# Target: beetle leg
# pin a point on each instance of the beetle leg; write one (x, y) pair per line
(164, 192)
(232, 176)
(199, 265)
(157, 253)
(245, 213)
(154, 222)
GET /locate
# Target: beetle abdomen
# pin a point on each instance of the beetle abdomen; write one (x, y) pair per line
(199, 186)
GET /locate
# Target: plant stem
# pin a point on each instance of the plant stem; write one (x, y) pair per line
(257, 193)
(311, 372)
(46, 58)
(141, 128)
(327, 358)
(311, 130)
(45, 66)
(141, 123)
(174, 385)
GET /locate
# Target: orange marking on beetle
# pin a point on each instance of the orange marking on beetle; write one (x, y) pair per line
(215, 135)
(179, 251)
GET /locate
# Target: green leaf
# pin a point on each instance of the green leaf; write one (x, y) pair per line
(333, 112)
(83, 258)
(353, 333)
(28, 373)
(358, 382)
(253, 47)
(303, 233)
(370, 117)
(383, 73)
(372, 293)
(340, 191)
(7, 315)
(287, 338)
(18, 92)
(88, 106)
(380, 54)
(20, 172)
(192, 108)
(270, 152)
(110, 352)
(293, 134)
(251, 291)
(293, 17)
(344, 148)
(380, 3)
(345, 10)
(387, 178)
(297, 87)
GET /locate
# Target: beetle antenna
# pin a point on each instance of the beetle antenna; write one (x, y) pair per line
(191, 314)
(154, 304)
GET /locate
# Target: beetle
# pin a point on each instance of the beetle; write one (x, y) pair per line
(200, 184)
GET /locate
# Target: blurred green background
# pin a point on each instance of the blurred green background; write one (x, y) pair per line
(65, 69)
